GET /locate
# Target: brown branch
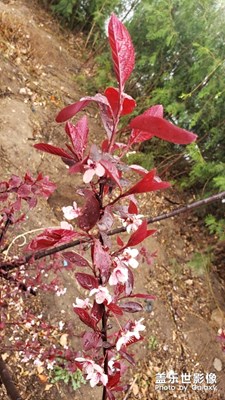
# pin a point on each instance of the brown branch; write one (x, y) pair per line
(10, 265)
(8, 382)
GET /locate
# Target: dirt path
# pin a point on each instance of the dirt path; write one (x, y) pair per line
(37, 66)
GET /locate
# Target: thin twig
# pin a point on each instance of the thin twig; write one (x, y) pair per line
(12, 264)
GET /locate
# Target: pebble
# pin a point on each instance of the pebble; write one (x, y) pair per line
(217, 363)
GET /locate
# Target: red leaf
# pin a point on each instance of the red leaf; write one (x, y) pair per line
(140, 234)
(129, 283)
(78, 135)
(57, 151)
(90, 340)
(90, 213)
(113, 380)
(76, 259)
(115, 309)
(132, 209)
(127, 356)
(113, 96)
(147, 184)
(137, 135)
(85, 317)
(122, 50)
(131, 306)
(71, 110)
(51, 237)
(43, 186)
(119, 241)
(97, 311)
(163, 129)
(111, 170)
(86, 281)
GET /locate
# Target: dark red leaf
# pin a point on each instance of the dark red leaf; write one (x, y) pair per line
(148, 183)
(97, 311)
(91, 340)
(24, 191)
(131, 306)
(102, 260)
(86, 281)
(140, 234)
(90, 213)
(71, 110)
(43, 186)
(122, 50)
(163, 129)
(127, 356)
(78, 135)
(113, 380)
(115, 309)
(51, 237)
(129, 283)
(76, 259)
(57, 151)
(111, 170)
(85, 317)
(113, 96)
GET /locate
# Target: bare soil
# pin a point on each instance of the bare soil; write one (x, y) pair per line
(38, 64)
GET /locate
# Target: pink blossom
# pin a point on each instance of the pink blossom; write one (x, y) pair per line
(119, 275)
(71, 212)
(82, 303)
(93, 168)
(88, 364)
(138, 327)
(94, 372)
(101, 294)
(123, 340)
(97, 376)
(126, 336)
(132, 222)
(128, 257)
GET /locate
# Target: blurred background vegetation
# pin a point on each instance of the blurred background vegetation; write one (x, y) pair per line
(180, 63)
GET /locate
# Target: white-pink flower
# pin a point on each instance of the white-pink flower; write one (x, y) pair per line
(101, 294)
(88, 364)
(118, 275)
(123, 340)
(65, 225)
(82, 303)
(92, 168)
(138, 327)
(128, 257)
(97, 375)
(132, 222)
(94, 372)
(127, 336)
(71, 212)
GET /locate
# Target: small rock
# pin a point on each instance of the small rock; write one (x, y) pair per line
(189, 281)
(217, 363)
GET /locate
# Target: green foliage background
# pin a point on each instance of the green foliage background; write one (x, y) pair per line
(180, 63)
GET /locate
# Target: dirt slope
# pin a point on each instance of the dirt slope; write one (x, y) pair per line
(38, 62)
